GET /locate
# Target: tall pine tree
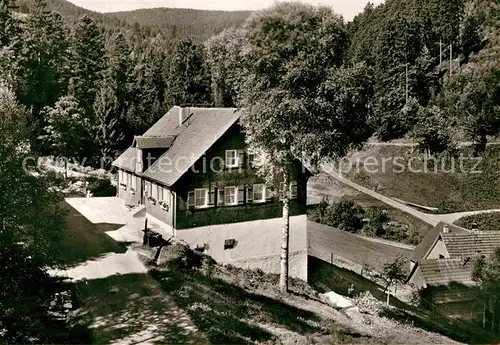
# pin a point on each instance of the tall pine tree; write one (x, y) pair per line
(87, 48)
(42, 63)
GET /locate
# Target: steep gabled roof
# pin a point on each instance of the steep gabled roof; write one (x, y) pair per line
(446, 271)
(463, 245)
(430, 239)
(201, 129)
(127, 159)
(184, 144)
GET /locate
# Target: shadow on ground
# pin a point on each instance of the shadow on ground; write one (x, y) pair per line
(84, 240)
(229, 314)
(133, 308)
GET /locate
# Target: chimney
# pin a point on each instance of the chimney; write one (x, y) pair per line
(138, 161)
(183, 114)
(446, 229)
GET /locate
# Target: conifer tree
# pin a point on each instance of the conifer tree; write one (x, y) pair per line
(88, 62)
(42, 63)
(188, 80)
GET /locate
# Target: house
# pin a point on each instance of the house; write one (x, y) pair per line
(442, 267)
(193, 172)
(432, 246)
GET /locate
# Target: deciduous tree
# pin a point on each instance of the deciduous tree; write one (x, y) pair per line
(299, 101)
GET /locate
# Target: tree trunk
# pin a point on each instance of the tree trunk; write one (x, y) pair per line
(484, 314)
(285, 238)
(65, 168)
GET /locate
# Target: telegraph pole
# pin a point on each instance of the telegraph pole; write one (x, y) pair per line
(407, 83)
(440, 52)
(451, 58)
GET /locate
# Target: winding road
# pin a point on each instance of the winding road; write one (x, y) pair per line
(429, 218)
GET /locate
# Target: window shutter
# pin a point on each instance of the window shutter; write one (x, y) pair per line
(241, 195)
(249, 194)
(293, 190)
(211, 197)
(241, 157)
(269, 193)
(220, 196)
(154, 188)
(190, 201)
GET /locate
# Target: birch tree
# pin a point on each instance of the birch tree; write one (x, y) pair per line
(299, 101)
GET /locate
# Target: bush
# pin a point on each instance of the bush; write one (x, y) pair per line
(55, 178)
(348, 216)
(377, 220)
(101, 188)
(345, 215)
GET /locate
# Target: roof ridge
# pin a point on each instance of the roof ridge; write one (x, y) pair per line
(210, 108)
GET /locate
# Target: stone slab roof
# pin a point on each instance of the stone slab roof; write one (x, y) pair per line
(184, 143)
(431, 237)
(127, 160)
(446, 271)
(463, 245)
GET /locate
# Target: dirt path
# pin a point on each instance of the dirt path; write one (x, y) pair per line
(106, 266)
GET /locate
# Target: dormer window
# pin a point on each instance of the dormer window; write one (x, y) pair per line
(231, 158)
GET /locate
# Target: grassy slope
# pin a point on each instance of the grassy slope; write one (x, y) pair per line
(487, 221)
(326, 277)
(450, 192)
(323, 186)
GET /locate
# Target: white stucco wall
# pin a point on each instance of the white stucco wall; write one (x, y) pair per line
(438, 249)
(159, 226)
(258, 244)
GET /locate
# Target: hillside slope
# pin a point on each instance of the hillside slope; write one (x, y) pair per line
(169, 22)
(461, 183)
(174, 22)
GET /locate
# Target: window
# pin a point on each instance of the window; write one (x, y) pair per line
(259, 192)
(200, 197)
(121, 177)
(229, 243)
(250, 157)
(134, 183)
(231, 158)
(147, 189)
(160, 193)
(230, 196)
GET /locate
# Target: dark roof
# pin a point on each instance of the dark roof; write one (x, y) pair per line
(431, 237)
(184, 144)
(203, 127)
(470, 244)
(446, 271)
(127, 159)
(144, 142)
